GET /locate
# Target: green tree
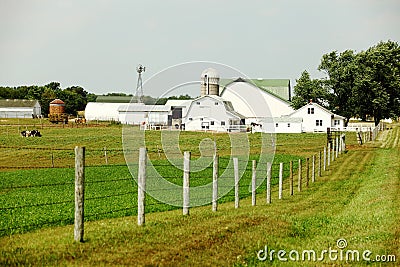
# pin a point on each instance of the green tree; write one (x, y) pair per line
(342, 71)
(307, 89)
(74, 98)
(378, 83)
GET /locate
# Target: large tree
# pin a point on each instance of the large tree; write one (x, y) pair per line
(341, 70)
(75, 99)
(378, 81)
(307, 89)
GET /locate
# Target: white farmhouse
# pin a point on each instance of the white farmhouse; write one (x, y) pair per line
(19, 108)
(317, 118)
(211, 112)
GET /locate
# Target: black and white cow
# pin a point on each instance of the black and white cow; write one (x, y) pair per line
(33, 133)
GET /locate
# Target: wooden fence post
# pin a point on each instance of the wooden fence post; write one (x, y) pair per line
(307, 171)
(300, 178)
(186, 177)
(329, 154)
(79, 193)
(52, 158)
(269, 169)
(236, 175)
(291, 177)
(142, 185)
(337, 147)
(333, 150)
(215, 184)
(325, 158)
(319, 165)
(105, 155)
(253, 182)
(280, 195)
(313, 169)
(344, 142)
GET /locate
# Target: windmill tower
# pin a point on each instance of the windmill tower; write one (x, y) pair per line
(139, 86)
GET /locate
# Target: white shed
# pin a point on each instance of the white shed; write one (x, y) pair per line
(282, 124)
(137, 114)
(254, 102)
(317, 118)
(211, 112)
(102, 111)
(19, 108)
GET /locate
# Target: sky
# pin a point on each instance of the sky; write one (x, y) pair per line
(97, 44)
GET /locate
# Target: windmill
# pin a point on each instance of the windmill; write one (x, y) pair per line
(139, 86)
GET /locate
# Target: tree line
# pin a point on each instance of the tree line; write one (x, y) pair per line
(364, 84)
(75, 97)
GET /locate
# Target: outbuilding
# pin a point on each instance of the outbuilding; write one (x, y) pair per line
(139, 114)
(211, 112)
(20, 108)
(316, 118)
(102, 111)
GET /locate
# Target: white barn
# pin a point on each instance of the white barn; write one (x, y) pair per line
(139, 114)
(211, 112)
(254, 102)
(102, 111)
(317, 118)
(19, 108)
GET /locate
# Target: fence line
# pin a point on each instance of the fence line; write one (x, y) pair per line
(276, 183)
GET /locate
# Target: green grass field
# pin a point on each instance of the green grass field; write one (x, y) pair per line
(356, 199)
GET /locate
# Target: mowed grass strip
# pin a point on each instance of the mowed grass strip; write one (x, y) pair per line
(358, 200)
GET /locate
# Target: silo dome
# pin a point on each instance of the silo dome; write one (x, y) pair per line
(209, 82)
(210, 72)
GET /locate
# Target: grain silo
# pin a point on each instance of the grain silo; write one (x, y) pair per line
(57, 111)
(209, 82)
(57, 106)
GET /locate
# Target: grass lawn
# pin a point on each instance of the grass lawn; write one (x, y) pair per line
(357, 199)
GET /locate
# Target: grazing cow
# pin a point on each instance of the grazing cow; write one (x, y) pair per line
(33, 133)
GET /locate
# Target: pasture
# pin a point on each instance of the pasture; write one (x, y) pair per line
(38, 177)
(337, 205)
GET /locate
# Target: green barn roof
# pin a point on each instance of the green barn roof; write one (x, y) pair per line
(114, 99)
(277, 87)
(17, 103)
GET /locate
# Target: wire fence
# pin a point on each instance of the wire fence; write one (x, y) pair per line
(42, 193)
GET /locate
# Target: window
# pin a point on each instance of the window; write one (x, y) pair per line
(222, 123)
(336, 122)
(276, 124)
(212, 122)
(318, 122)
(288, 125)
(310, 111)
